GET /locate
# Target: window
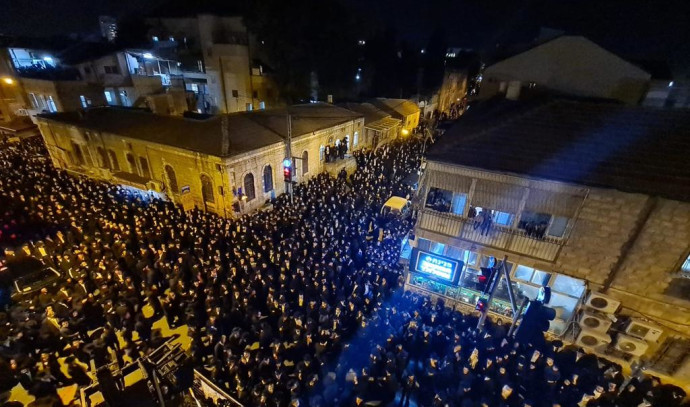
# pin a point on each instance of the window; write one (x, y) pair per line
(172, 39)
(111, 69)
(172, 179)
(200, 66)
(268, 178)
(568, 285)
(439, 199)
(541, 277)
(437, 248)
(458, 205)
(79, 154)
(322, 152)
(207, 189)
(34, 101)
(103, 157)
(235, 93)
(255, 95)
(355, 141)
(558, 225)
(108, 96)
(305, 163)
(250, 107)
(154, 38)
(503, 218)
(249, 191)
(113, 161)
(685, 268)
(145, 167)
(132, 163)
(83, 101)
(262, 105)
(524, 273)
(424, 244)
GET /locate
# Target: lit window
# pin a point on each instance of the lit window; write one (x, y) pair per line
(437, 248)
(83, 101)
(108, 96)
(262, 105)
(155, 38)
(458, 205)
(685, 268)
(524, 273)
(172, 38)
(503, 218)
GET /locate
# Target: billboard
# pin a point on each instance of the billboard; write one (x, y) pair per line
(436, 267)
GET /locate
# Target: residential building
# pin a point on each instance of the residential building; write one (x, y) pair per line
(379, 126)
(580, 196)
(406, 111)
(47, 95)
(108, 26)
(570, 65)
(222, 62)
(227, 164)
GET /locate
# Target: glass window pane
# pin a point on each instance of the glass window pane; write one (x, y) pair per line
(524, 273)
(423, 244)
(686, 265)
(557, 228)
(541, 277)
(437, 248)
(470, 258)
(454, 252)
(527, 290)
(503, 218)
(568, 285)
(458, 206)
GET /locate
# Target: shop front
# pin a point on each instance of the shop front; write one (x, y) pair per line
(453, 274)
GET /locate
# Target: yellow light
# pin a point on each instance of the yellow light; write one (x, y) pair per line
(405, 132)
(8, 80)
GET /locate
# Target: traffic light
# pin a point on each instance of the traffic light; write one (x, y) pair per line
(287, 170)
(481, 305)
(535, 322)
(484, 279)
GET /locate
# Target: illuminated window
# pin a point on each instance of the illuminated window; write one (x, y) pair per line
(685, 268)
(262, 105)
(84, 104)
(439, 199)
(108, 96)
(458, 205)
(155, 38)
(249, 190)
(503, 218)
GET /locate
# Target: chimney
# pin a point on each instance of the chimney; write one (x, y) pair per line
(225, 128)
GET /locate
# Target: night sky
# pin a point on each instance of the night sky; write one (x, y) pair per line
(638, 29)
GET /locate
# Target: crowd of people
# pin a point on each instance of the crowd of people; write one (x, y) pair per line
(297, 306)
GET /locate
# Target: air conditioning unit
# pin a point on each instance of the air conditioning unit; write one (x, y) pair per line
(643, 330)
(594, 321)
(592, 339)
(602, 303)
(631, 346)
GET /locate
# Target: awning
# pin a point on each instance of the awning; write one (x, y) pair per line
(448, 181)
(553, 203)
(497, 196)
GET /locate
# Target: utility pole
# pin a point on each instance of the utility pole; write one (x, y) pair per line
(288, 156)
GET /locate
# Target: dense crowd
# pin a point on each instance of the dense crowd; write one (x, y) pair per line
(297, 306)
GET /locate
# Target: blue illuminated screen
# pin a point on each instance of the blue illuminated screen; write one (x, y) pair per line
(436, 266)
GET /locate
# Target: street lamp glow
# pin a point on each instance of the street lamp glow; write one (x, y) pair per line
(405, 132)
(8, 80)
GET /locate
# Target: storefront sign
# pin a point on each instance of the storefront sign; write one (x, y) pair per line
(441, 268)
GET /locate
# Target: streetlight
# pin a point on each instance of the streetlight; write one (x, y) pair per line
(8, 80)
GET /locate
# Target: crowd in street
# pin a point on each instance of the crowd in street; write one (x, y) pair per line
(297, 306)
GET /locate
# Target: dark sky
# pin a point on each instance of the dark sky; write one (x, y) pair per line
(641, 29)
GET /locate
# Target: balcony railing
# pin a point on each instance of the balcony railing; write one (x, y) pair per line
(497, 237)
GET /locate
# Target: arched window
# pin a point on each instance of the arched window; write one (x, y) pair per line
(113, 160)
(305, 162)
(268, 178)
(145, 167)
(78, 153)
(132, 163)
(249, 191)
(103, 157)
(322, 151)
(172, 179)
(356, 140)
(207, 189)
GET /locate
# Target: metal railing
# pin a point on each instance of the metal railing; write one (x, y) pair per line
(503, 238)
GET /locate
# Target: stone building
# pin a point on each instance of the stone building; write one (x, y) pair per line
(591, 199)
(402, 109)
(379, 126)
(570, 65)
(227, 164)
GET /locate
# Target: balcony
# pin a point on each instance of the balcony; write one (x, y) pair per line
(498, 237)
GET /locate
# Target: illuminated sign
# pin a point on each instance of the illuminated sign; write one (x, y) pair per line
(440, 268)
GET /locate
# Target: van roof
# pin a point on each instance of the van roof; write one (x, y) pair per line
(396, 202)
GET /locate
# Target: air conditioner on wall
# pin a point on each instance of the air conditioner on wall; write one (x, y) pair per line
(631, 346)
(592, 339)
(602, 303)
(643, 330)
(594, 321)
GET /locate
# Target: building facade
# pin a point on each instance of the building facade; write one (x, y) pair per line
(539, 185)
(402, 109)
(222, 62)
(229, 164)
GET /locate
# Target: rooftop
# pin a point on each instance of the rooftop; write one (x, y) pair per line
(246, 131)
(371, 113)
(402, 107)
(628, 148)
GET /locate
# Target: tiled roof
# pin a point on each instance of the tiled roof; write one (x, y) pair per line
(628, 148)
(402, 107)
(371, 113)
(246, 131)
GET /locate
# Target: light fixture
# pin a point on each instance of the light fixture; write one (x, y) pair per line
(8, 80)
(670, 84)
(405, 132)
(48, 59)
(148, 55)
